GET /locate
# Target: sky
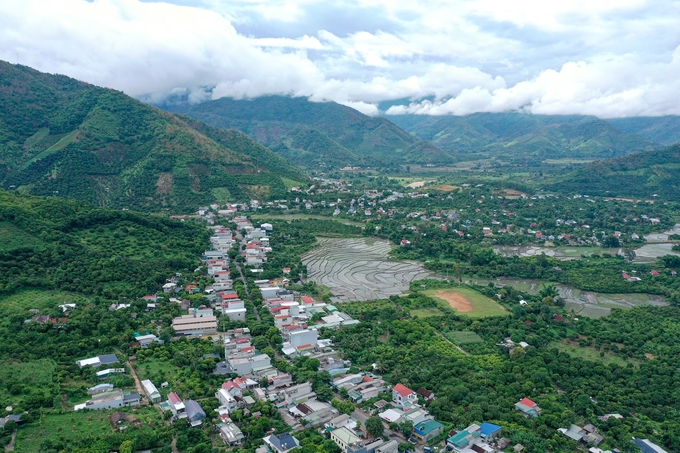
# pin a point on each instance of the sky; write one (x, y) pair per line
(610, 58)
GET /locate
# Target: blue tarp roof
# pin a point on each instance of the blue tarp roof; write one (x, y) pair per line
(488, 428)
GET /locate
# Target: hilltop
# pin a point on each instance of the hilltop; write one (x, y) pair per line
(635, 175)
(64, 137)
(514, 136)
(316, 134)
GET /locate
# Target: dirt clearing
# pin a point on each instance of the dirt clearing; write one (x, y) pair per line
(457, 301)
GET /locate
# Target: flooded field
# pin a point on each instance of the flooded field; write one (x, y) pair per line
(584, 303)
(359, 269)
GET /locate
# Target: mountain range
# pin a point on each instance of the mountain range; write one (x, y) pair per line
(60, 136)
(639, 175)
(520, 136)
(316, 134)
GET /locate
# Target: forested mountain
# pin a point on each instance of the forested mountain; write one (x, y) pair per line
(317, 133)
(53, 243)
(660, 129)
(60, 136)
(519, 136)
(635, 175)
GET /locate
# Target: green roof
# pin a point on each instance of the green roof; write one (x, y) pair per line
(427, 427)
(462, 438)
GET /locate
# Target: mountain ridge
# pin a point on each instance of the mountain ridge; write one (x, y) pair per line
(64, 137)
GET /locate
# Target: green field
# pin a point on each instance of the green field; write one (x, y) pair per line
(590, 354)
(69, 427)
(303, 217)
(11, 237)
(40, 299)
(426, 312)
(464, 337)
(36, 373)
(467, 302)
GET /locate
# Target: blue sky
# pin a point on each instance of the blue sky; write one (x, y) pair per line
(609, 58)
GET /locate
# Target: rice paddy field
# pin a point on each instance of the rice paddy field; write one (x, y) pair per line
(358, 269)
(468, 302)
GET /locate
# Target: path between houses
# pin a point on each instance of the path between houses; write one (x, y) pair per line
(10, 445)
(245, 285)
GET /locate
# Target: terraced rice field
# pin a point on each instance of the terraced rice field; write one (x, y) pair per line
(359, 269)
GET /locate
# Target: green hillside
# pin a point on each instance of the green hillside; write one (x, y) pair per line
(515, 136)
(59, 136)
(659, 129)
(317, 133)
(53, 243)
(635, 175)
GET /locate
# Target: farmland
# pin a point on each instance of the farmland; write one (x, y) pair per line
(358, 269)
(468, 302)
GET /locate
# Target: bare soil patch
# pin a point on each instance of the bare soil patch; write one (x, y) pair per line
(456, 301)
(445, 188)
(164, 184)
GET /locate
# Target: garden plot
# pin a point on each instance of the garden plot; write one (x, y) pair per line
(359, 269)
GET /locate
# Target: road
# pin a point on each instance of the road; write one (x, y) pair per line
(243, 278)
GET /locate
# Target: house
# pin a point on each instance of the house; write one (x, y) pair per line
(391, 415)
(177, 406)
(103, 374)
(340, 421)
(192, 325)
(282, 444)
(425, 394)
(304, 336)
(231, 434)
(195, 413)
(227, 400)
(145, 340)
(98, 361)
(403, 396)
(16, 418)
(109, 400)
(151, 391)
(416, 416)
(345, 438)
(490, 431)
(101, 388)
(648, 446)
(463, 439)
(427, 430)
(246, 365)
(528, 407)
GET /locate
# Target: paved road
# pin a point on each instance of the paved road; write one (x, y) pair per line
(243, 278)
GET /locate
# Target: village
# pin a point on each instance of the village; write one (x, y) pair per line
(251, 375)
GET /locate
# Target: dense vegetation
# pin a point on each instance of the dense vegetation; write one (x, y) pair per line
(317, 134)
(649, 174)
(517, 137)
(61, 136)
(485, 385)
(53, 243)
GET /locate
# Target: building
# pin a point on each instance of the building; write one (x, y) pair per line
(648, 446)
(416, 416)
(427, 430)
(109, 400)
(195, 413)
(464, 439)
(192, 325)
(98, 361)
(226, 399)
(103, 374)
(243, 366)
(528, 407)
(345, 438)
(145, 340)
(151, 391)
(302, 337)
(101, 388)
(490, 431)
(403, 396)
(177, 406)
(282, 444)
(231, 434)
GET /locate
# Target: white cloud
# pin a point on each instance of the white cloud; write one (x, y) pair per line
(605, 57)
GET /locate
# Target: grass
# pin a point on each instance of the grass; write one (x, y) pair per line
(426, 312)
(567, 161)
(304, 217)
(590, 354)
(36, 373)
(150, 368)
(482, 306)
(40, 299)
(36, 138)
(69, 427)
(61, 144)
(12, 237)
(290, 183)
(464, 337)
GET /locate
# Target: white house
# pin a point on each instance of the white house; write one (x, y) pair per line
(109, 400)
(226, 399)
(151, 391)
(305, 336)
(177, 406)
(403, 396)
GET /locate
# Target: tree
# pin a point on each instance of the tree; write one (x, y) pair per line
(374, 426)
(126, 447)
(406, 429)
